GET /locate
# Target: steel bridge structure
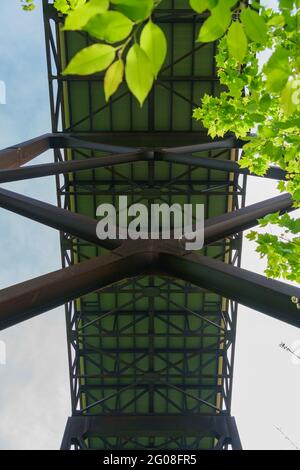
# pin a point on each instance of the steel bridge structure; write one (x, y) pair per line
(150, 326)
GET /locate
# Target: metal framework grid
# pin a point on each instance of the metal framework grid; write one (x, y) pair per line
(151, 354)
(155, 345)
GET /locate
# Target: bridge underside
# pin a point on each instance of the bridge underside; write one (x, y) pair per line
(152, 345)
(150, 327)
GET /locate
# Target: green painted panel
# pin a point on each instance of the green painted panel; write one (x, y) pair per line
(150, 345)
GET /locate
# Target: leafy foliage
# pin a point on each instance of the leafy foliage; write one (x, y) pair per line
(113, 78)
(28, 5)
(139, 45)
(154, 43)
(80, 16)
(111, 26)
(91, 59)
(139, 72)
(255, 26)
(282, 251)
(237, 41)
(265, 100)
(130, 46)
(216, 25)
(66, 6)
(201, 5)
(135, 10)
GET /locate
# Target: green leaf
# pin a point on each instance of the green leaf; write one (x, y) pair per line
(254, 25)
(29, 5)
(237, 41)
(77, 3)
(296, 194)
(281, 186)
(266, 132)
(113, 78)
(201, 5)
(90, 60)
(136, 10)
(265, 102)
(229, 3)
(154, 43)
(269, 219)
(216, 25)
(252, 235)
(78, 18)
(139, 73)
(287, 101)
(277, 70)
(65, 6)
(276, 20)
(279, 59)
(276, 80)
(286, 4)
(111, 26)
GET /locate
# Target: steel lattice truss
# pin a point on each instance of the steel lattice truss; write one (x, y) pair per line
(151, 327)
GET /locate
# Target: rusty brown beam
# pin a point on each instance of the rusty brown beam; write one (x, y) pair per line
(66, 221)
(222, 226)
(48, 169)
(268, 296)
(30, 298)
(220, 165)
(17, 155)
(230, 223)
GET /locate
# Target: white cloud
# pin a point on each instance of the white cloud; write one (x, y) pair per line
(34, 393)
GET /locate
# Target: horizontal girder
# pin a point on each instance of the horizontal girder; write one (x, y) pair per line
(33, 297)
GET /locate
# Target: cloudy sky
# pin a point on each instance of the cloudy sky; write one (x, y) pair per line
(34, 386)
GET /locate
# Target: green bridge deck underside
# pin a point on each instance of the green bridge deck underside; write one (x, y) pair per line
(150, 345)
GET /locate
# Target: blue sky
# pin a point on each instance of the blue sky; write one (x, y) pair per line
(34, 391)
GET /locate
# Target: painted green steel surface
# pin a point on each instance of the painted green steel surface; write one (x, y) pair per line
(146, 345)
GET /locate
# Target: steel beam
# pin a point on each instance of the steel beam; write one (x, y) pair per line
(30, 298)
(230, 223)
(66, 221)
(18, 155)
(85, 227)
(80, 428)
(230, 142)
(48, 169)
(222, 226)
(65, 140)
(268, 296)
(221, 165)
(161, 141)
